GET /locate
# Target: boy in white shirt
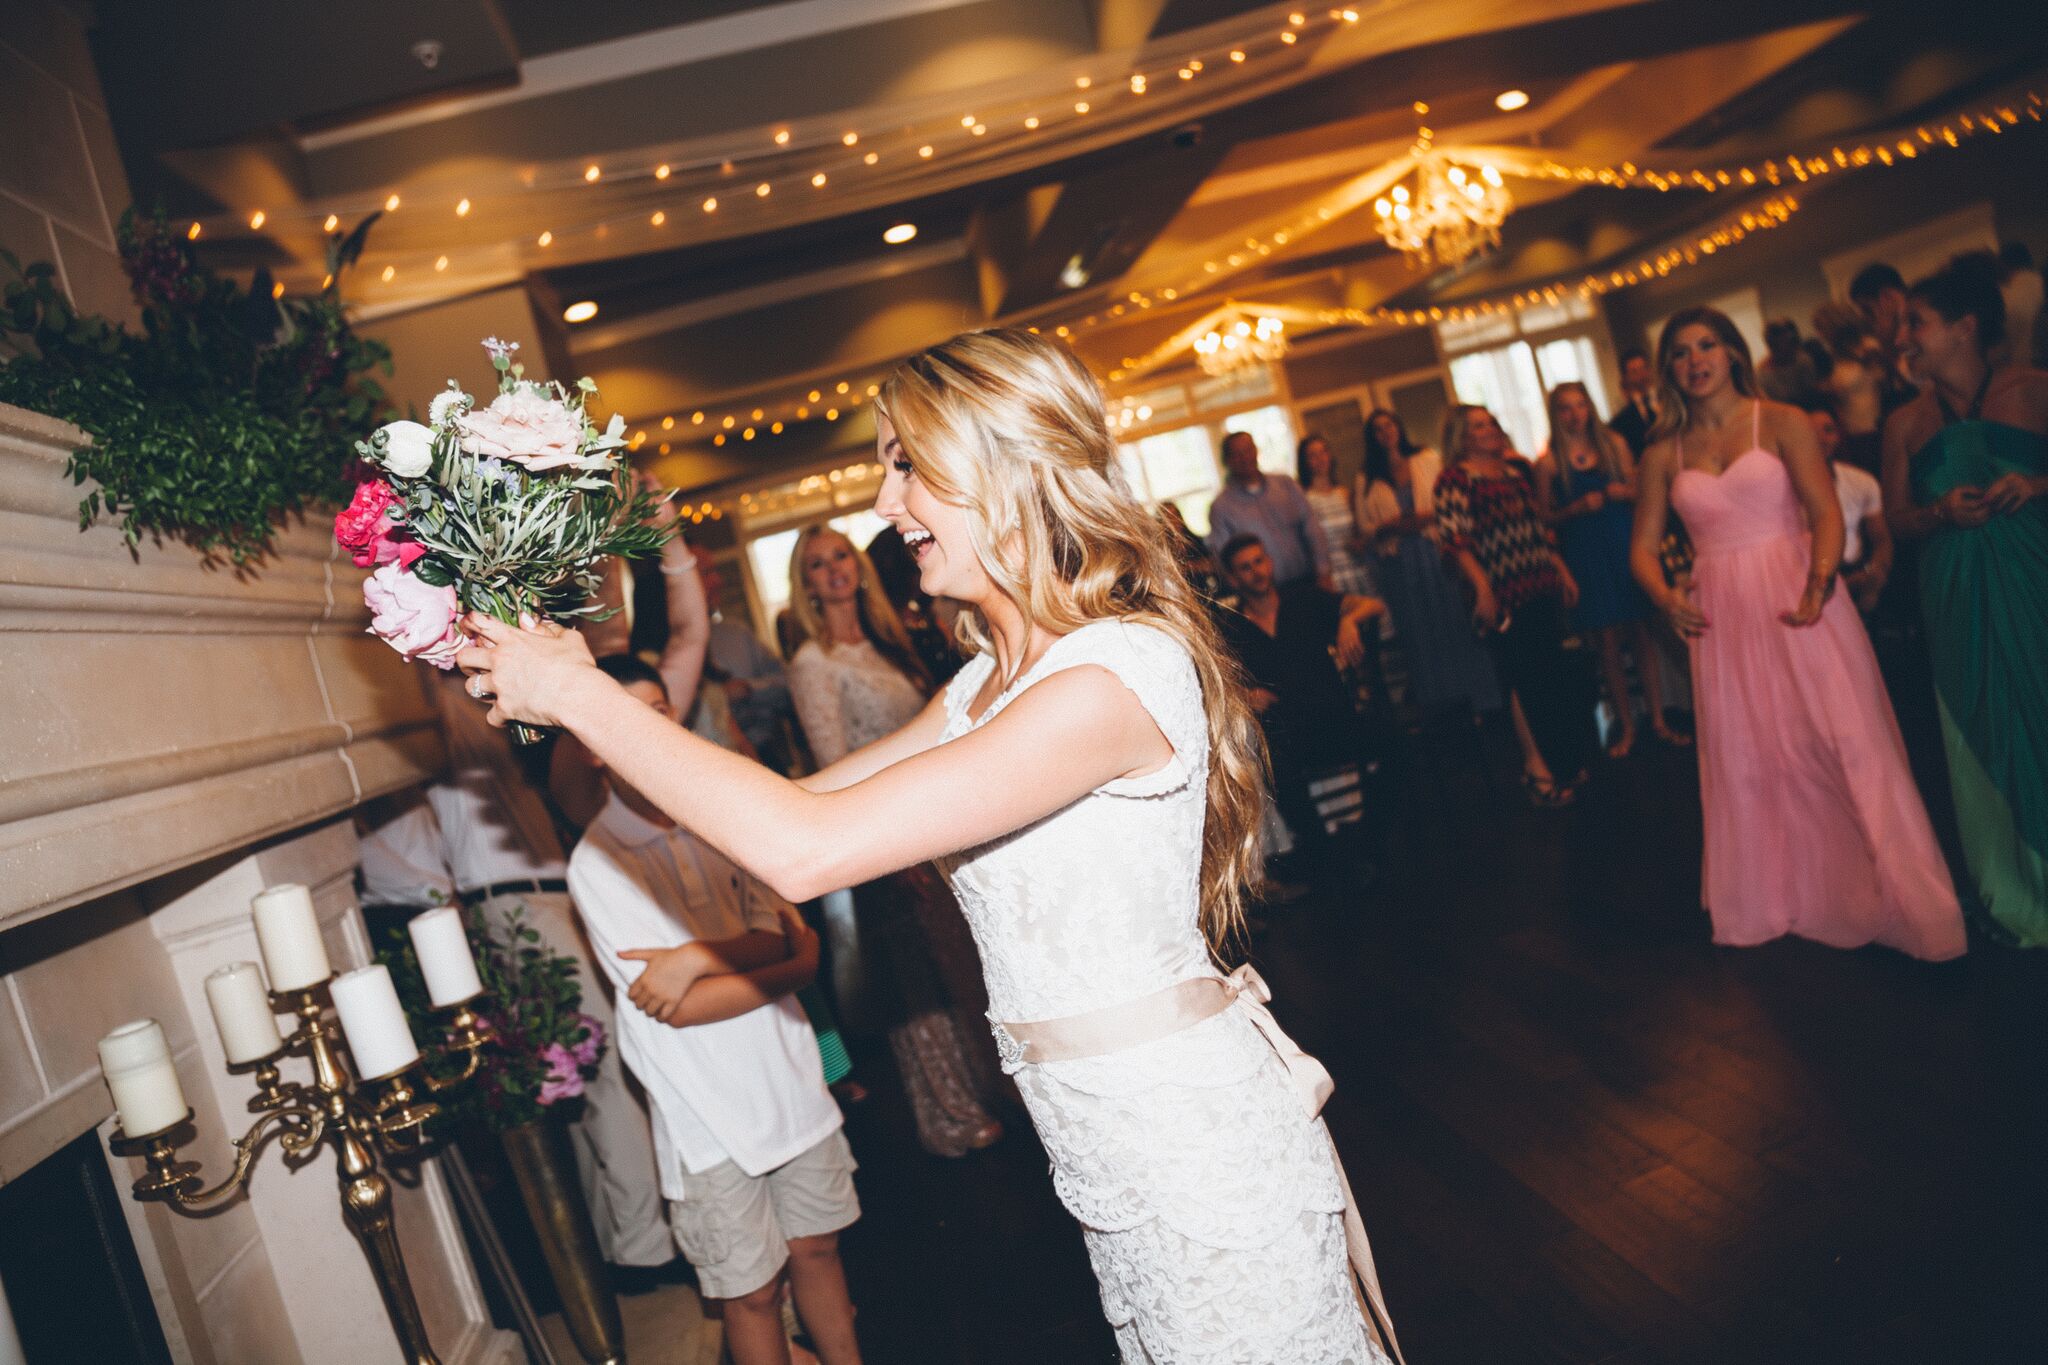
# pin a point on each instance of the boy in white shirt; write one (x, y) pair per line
(1866, 538)
(747, 1138)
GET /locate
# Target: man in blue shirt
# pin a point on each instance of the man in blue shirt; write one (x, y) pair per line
(1271, 507)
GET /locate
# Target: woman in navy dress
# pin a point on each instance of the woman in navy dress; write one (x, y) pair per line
(1585, 485)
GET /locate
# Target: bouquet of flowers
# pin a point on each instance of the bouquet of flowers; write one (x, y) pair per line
(543, 1047)
(510, 509)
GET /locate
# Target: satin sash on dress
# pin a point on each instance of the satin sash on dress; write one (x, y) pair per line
(1184, 1005)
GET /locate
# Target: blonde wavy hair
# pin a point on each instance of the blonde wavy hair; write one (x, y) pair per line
(878, 618)
(1011, 426)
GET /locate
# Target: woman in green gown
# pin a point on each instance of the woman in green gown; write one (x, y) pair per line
(1966, 471)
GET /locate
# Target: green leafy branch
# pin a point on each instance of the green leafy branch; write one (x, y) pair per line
(229, 409)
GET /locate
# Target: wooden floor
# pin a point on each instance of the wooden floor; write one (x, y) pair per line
(1578, 1131)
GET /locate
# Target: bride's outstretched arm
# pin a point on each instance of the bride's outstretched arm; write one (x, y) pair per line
(1055, 742)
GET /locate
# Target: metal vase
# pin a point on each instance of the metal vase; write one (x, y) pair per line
(546, 1172)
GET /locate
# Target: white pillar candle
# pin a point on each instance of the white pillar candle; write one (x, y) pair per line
(241, 1011)
(373, 1022)
(445, 958)
(289, 934)
(142, 1078)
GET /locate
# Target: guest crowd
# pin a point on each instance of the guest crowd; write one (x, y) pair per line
(1789, 541)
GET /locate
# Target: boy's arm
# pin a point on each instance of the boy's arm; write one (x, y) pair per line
(717, 998)
(671, 972)
(746, 952)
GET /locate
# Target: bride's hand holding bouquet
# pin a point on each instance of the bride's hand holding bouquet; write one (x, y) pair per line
(532, 673)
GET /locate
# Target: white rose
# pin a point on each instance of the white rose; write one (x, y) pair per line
(444, 403)
(408, 449)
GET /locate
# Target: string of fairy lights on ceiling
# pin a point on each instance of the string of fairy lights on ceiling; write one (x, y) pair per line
(841, 399)
(771, 418)
(737, 186)
(1879, 150)
(1735, 228)
(651, 199)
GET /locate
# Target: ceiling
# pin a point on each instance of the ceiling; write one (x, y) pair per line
(756, 302)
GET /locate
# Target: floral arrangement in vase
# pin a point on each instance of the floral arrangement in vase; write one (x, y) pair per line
(542, 1047)
(510, 508)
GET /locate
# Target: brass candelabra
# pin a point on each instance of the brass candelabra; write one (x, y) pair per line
(336, 1106)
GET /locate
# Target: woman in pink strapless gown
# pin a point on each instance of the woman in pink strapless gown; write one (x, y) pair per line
(1813, 823)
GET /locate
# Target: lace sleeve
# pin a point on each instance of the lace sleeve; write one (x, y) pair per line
(1157, 669)
(959, 692)
(814, 688)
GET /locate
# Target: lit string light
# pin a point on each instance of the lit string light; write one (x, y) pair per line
(1953, 132)
(1772, 213)
(1256, 37)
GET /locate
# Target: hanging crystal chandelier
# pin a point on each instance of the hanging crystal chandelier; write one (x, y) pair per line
(1239, 341)
(1451, 212)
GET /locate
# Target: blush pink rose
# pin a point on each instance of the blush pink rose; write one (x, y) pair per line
(536, 431)
(366, 531)
(417, 619)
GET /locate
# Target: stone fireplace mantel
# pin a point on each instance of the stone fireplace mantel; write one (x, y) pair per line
(178, 736)
(163, 710)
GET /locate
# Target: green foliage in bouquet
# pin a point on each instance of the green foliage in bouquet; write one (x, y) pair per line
(228, 410)
(543, 1047)
(518, 504)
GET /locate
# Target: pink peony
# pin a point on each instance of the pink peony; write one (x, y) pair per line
(586, 1051)
(564, 1079)
(366, 531)
(525, 426)
(414, 618)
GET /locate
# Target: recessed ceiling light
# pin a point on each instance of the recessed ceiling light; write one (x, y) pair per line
(1507, 101)
(580, 312)
(901, 233)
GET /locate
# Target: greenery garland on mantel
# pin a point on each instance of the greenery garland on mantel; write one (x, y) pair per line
(229, 410)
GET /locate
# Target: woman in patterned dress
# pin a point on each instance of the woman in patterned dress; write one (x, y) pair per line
(1335, 506)
(1487, 521)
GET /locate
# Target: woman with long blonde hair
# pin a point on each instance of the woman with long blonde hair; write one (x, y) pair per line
(1586, 488)
(1090, 783)
(855, 679)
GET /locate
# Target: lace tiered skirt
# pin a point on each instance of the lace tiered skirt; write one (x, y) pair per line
(1210, 1204)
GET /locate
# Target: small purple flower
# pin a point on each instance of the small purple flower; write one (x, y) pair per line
(494, 468)
(500, 350)
(586, 1051)
(564, 1079)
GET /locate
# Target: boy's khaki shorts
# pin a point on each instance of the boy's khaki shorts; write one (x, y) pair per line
(736, 1228)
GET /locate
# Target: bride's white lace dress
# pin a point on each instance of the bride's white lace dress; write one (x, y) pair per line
(1210, 1202)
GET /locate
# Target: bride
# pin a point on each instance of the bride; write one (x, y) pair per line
(1090, 784)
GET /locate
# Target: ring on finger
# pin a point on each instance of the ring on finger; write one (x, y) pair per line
(477, 686)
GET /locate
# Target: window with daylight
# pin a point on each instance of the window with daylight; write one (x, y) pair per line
(1509, 362)
(1172, 436)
